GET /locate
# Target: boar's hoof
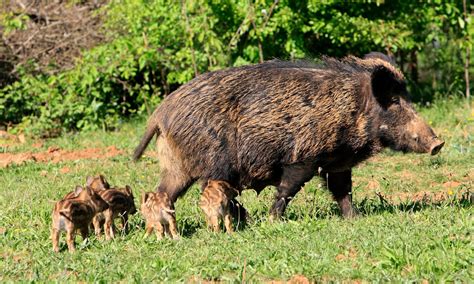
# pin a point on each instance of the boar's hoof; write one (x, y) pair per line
(277, 209)
(349, 213)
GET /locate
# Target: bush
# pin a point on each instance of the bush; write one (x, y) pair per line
(154, 46)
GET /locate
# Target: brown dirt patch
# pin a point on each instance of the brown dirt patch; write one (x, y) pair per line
(295, 279)
(56, 155)
(64, 170)
(373, 185)
(298, 279)
(451, 184)
(350, 254)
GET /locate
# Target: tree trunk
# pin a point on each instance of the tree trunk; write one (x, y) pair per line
(191, 36)
(468, 52)
(413, 66)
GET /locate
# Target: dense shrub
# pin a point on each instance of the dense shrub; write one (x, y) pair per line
(154, 46)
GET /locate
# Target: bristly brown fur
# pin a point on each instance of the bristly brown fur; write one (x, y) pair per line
(159, 215)
(277, 123)
(121, 204)
(71, 214)
(97, 183)
(216, 204)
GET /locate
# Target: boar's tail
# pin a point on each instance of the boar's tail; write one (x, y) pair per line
(151, 130)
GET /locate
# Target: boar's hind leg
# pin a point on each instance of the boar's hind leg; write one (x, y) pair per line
(340, 185)
(292, 179)
(174, 187)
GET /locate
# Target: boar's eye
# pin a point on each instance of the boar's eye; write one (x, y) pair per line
(395, 100)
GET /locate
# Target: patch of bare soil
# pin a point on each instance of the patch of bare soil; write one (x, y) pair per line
(295, 279)
(350, 254)
(56, 155)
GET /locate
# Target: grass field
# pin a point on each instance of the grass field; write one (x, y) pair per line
(416, 223)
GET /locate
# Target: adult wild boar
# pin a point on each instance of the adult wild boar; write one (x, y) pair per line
(280, 123)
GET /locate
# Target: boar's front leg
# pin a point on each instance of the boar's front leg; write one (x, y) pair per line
(292, 179)
(340, 185)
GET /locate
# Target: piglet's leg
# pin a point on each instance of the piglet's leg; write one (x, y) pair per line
(159, 231)
(109, 232)
(228, 222)
(215, 223)
(148, 230)
(173, 228)
(70, 236)
(96, 224)
(55, 239)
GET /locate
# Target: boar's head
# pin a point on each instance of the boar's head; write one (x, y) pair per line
(399, 125)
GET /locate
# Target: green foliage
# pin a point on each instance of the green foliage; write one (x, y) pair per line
(155, 45)
(11, 22)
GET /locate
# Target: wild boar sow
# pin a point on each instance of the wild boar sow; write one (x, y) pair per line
(281, 123)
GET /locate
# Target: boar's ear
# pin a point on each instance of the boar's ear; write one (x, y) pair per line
(379, 55)
(386, 84)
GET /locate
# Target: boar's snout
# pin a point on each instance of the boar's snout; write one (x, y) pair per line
(436, 146)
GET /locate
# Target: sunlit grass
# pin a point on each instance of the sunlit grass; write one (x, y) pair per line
(397, 238)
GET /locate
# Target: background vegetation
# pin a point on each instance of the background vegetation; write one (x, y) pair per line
(138, 51)
(90, 65)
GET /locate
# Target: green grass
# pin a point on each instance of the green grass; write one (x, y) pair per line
(397, 238)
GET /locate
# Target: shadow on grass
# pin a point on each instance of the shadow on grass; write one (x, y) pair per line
(380, 205)
(366, 207)
(374, 206)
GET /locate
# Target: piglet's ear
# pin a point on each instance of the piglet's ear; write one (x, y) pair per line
(89, 191)
(78, 190)
(128, 190)
(224, 184)
(89, 180)
(104, 182)
(145, 197)
(385, 85)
